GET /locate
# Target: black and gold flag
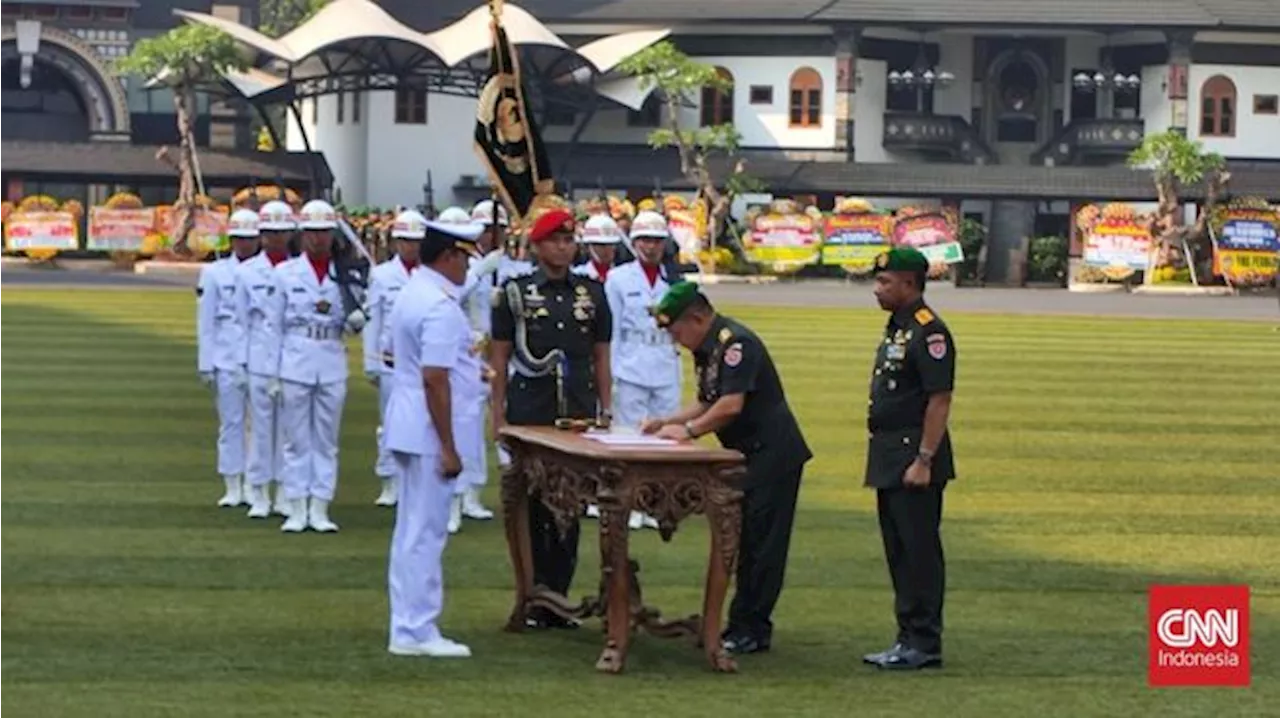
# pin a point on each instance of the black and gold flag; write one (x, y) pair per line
(507, 137)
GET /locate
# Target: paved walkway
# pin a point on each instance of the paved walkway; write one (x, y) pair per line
(808, 293)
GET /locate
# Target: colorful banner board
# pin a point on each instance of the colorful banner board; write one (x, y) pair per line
(853, 240)
(25, 231)
(1248, 242)
(210, 233)
(1114, 236)
(120, 230)
(931, 232)
(784, 239)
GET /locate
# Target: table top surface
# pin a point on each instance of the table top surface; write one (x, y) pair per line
(576, 444)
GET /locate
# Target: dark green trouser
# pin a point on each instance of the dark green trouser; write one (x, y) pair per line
(909, 521)
(768, 513)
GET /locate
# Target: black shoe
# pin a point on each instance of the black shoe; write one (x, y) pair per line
(542, 619)
(742, 643)
(874, 659)
(910, 659)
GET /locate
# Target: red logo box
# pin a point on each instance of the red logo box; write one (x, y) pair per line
(1198, 636)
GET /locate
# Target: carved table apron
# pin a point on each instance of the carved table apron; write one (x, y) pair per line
(567, 471)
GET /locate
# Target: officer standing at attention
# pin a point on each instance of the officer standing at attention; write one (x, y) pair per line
(740, 398)
(601, 236)
(430, 342)
(220, 337)
(312, 368)
(256, 297)
(385, 283)
(909, 458)
(547, 322)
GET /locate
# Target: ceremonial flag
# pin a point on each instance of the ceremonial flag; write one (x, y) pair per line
(506, 136)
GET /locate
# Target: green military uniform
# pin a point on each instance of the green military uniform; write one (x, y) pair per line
(916, 359)
(571, 315)
(733, 360)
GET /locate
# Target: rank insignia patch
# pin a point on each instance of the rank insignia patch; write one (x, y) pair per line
(924, 316)
(937, 346)
(733, 355)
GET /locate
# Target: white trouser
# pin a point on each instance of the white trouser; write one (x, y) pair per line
(632, 403)
(266, 450)
(231, 436)
(312, 418)
(468, 437)
(385, 466)
(415, 574)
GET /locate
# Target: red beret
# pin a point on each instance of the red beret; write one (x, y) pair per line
(555, 220)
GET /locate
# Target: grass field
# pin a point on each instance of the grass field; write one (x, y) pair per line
(1097, 456)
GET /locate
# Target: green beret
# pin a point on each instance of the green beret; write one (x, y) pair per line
(677, 299)
(902, 259)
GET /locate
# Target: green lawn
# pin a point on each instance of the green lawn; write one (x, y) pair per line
(1096, 456)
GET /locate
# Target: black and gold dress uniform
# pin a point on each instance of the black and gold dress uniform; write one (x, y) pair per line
(733, 360)
(570, 314)
(915, 359)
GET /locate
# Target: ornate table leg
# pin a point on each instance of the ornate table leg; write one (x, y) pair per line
(724, 511)
(615, 567)
(515, 518)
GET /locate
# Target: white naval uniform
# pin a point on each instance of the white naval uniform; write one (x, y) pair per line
(255, 295)
(219, 351)
(469, 410)
(588, 269)
(385, 282)
(312, 368)
(428, 330)
(644, 360)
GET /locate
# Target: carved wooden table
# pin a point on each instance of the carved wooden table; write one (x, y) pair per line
(566, 471)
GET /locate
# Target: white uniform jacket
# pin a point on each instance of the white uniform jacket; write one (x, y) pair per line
(428, 330)
(640, 352)
(586, 269)
(310, 314)
(508, 268)
(219, 331)
(478, 292)
(255, 299)
(385, 282)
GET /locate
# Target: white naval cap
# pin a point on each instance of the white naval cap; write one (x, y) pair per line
(459, 236)
(649, 224)
(454, 215)
(409, 224)
(600, 229)
(276, 216)
(243, 223)
(483, 213)
(317, 214)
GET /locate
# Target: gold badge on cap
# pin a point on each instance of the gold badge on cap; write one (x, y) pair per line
(882, 260)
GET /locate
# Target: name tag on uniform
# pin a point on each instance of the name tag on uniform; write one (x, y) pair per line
(895, 351)
(298, 290)
(633, 294)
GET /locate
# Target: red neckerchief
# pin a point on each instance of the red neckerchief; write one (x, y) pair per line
(320, 265)
(277, 257)
(650, 272)
(601, 269)
(409, 264)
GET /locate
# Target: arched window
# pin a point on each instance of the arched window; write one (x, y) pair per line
(1218, 107)
(806, 98)
(717, 105)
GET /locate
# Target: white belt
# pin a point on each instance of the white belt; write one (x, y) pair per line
(318, 332)
(646, 336)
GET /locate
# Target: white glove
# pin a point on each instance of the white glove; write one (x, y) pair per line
(241, 378)
(273, 388)
(504, 457)
(208, 378)
(355, 321)
(488, 265)
(373, 375)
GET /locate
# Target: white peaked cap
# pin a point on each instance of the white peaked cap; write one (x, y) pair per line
(649, 224)
(243, 223)
(317, 214)
(454, 215)
(276, 216)
(409, 224)
(600, 229)
(483, 213)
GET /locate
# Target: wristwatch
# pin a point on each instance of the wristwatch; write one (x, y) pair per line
(688, 430)
(925, 457)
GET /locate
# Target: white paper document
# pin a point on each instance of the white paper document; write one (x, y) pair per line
(629, 439)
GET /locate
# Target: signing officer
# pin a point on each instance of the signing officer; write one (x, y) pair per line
(909, 459)
(545, 323)
(740, 397)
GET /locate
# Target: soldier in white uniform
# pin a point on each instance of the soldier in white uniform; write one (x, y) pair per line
(513, 263)
(220, 349)
(255, 292)
(601, 236)
(312, 368)
(434, 368)
(385, 284)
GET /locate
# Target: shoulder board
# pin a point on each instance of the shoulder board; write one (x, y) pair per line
(924, 316)
(725, 335)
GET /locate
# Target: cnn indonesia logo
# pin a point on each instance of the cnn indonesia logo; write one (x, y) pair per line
(1198, 635)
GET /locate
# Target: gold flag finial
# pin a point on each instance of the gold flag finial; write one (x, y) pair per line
(495, 9)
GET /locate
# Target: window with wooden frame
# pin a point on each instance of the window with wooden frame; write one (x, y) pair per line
(1218, 107)
(761, 95)
(806, 98)
(1266, 105)
(717, 105)
(411, 106)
